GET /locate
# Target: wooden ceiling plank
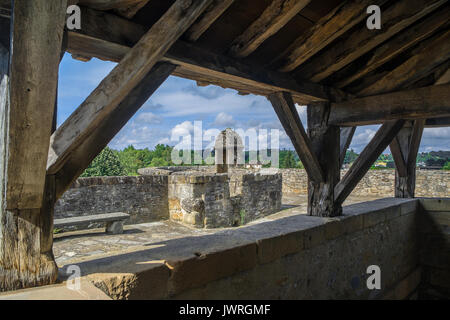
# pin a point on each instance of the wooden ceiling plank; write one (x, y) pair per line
(395, 19)
(427, 102)
(398, 44)
(444, 79)
(108, 4)
(425, 59)
(275, 17)
(130, 11)
(215, 10)
(324, 32)
(122, 79)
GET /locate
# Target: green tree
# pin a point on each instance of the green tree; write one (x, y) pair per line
(107, 163)
(289, 160)
(350, 156)
(130, 161)
(446, 166)
(159, 162)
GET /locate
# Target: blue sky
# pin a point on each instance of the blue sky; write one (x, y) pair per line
(175, 106)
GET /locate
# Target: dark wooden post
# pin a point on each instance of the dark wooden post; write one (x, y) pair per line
(325, 141)
(404, 148)
(28, 89)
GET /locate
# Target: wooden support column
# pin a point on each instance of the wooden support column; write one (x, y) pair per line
(404, 148)
(325, 144)
(28, 73)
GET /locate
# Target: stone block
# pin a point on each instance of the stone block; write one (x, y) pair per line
(430, 204)
(373, 218)
(409, 207)
(352, 223)
(334, 228)
(207, 267)
(314, 236)
(274, 248)
(147, 284)
(114, 227)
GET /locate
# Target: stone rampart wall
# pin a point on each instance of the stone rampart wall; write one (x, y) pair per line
(430, 183)
(144, 198)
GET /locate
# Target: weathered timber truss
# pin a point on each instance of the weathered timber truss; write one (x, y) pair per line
(314, 53)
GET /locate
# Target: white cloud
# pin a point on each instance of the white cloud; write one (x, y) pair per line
(149, 118)
(182, 129)
(184, 103)
(362, 137)
(224, 120)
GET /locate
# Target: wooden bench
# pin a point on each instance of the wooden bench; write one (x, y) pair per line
(113, 221)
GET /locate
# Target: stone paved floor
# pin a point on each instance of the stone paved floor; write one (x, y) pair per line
(74, 247)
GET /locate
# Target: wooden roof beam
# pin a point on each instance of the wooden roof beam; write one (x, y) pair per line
(324, 32)
(396, 18)
(428, 102)
(215, 10)
(424, 59)
(122, 80)
(396, 45)
(109, 4)
(130, 11)
(275, 17)
(108, 37)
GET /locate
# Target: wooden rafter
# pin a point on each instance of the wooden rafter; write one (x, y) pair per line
(130, 11)
(396, 45)
(275, 17)
(287, 113)
(325, 31)
(444, 79)
(109, 4)
(368, 156)
(215, 10)
(428, 102)
(113, 40)
(424, 60)
(122, 79)
(396, 18)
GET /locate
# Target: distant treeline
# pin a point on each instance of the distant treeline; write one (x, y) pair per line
(112, 162)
